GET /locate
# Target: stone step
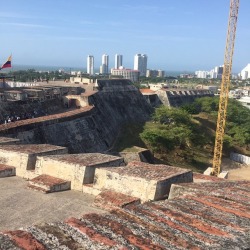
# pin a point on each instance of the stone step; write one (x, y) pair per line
(110, 200)
(49, 184)
(7, 171)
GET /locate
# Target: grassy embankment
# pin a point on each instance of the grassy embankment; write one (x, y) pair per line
(196, 156)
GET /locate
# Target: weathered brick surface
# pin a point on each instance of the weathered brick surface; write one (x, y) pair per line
(238, 191)
(206, 178)
(109, 200)
(192, 221)
(25, 240)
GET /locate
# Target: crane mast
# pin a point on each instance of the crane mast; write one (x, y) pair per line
(225, 83)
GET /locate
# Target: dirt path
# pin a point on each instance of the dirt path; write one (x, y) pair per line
(236, 170)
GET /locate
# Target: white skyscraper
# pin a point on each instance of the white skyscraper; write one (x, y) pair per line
(118, 61)
(140, 63)
(90, 65)
(245, 73)
(105, 64)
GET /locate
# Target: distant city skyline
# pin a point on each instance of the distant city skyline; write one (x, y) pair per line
(176, 35)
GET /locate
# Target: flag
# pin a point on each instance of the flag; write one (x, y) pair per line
(7, 64)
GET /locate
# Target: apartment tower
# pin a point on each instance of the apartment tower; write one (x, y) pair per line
(104, 69)
(118, 61)
(140, 63)
(90, 65)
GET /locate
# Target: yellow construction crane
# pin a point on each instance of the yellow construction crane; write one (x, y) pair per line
(225, 83)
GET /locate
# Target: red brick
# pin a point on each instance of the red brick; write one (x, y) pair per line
(25, 240)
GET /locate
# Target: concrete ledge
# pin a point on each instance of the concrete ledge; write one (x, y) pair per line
(6, 171)
(24, 157)
(141, 180)
(49, 184)
(206, 178)
(77, 168)
(8, 140)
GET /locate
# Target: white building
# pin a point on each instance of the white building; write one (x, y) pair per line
(155, 73)
(140, 63)
(104, 69)
(132, 75)
(90, 65)
(215, 73)
(118, 61)
(202, 74)
(245, 73)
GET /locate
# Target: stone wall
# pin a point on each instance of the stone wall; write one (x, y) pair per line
(115, 104)
(240, 158)
(177, 98)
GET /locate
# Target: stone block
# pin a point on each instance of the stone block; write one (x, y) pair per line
(141, 180)
(48, 184)
(137, 154)
(77, 168)
(6, 171)
(23, 157)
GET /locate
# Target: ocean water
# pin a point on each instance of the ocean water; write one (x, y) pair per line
(68, 69)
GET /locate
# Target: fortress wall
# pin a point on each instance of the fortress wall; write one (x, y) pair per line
(177, 98)
(48, 106)
(113, 107)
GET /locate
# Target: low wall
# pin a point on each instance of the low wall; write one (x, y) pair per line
(240, 158)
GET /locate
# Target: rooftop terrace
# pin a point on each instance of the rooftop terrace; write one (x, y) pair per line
(193, 221)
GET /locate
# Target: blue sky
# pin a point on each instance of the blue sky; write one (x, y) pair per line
(175, 34)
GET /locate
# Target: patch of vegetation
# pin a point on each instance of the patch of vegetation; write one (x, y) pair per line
(129, 137)
(184, 138)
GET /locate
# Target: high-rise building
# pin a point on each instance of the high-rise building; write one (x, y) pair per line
(104, 69)
(118, 61)
(245, 73)
(140, 63)
(90, 65)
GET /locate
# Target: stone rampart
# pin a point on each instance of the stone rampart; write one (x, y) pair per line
(177, 98)
(114, 105)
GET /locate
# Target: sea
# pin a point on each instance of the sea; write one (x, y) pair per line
(69, 69)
